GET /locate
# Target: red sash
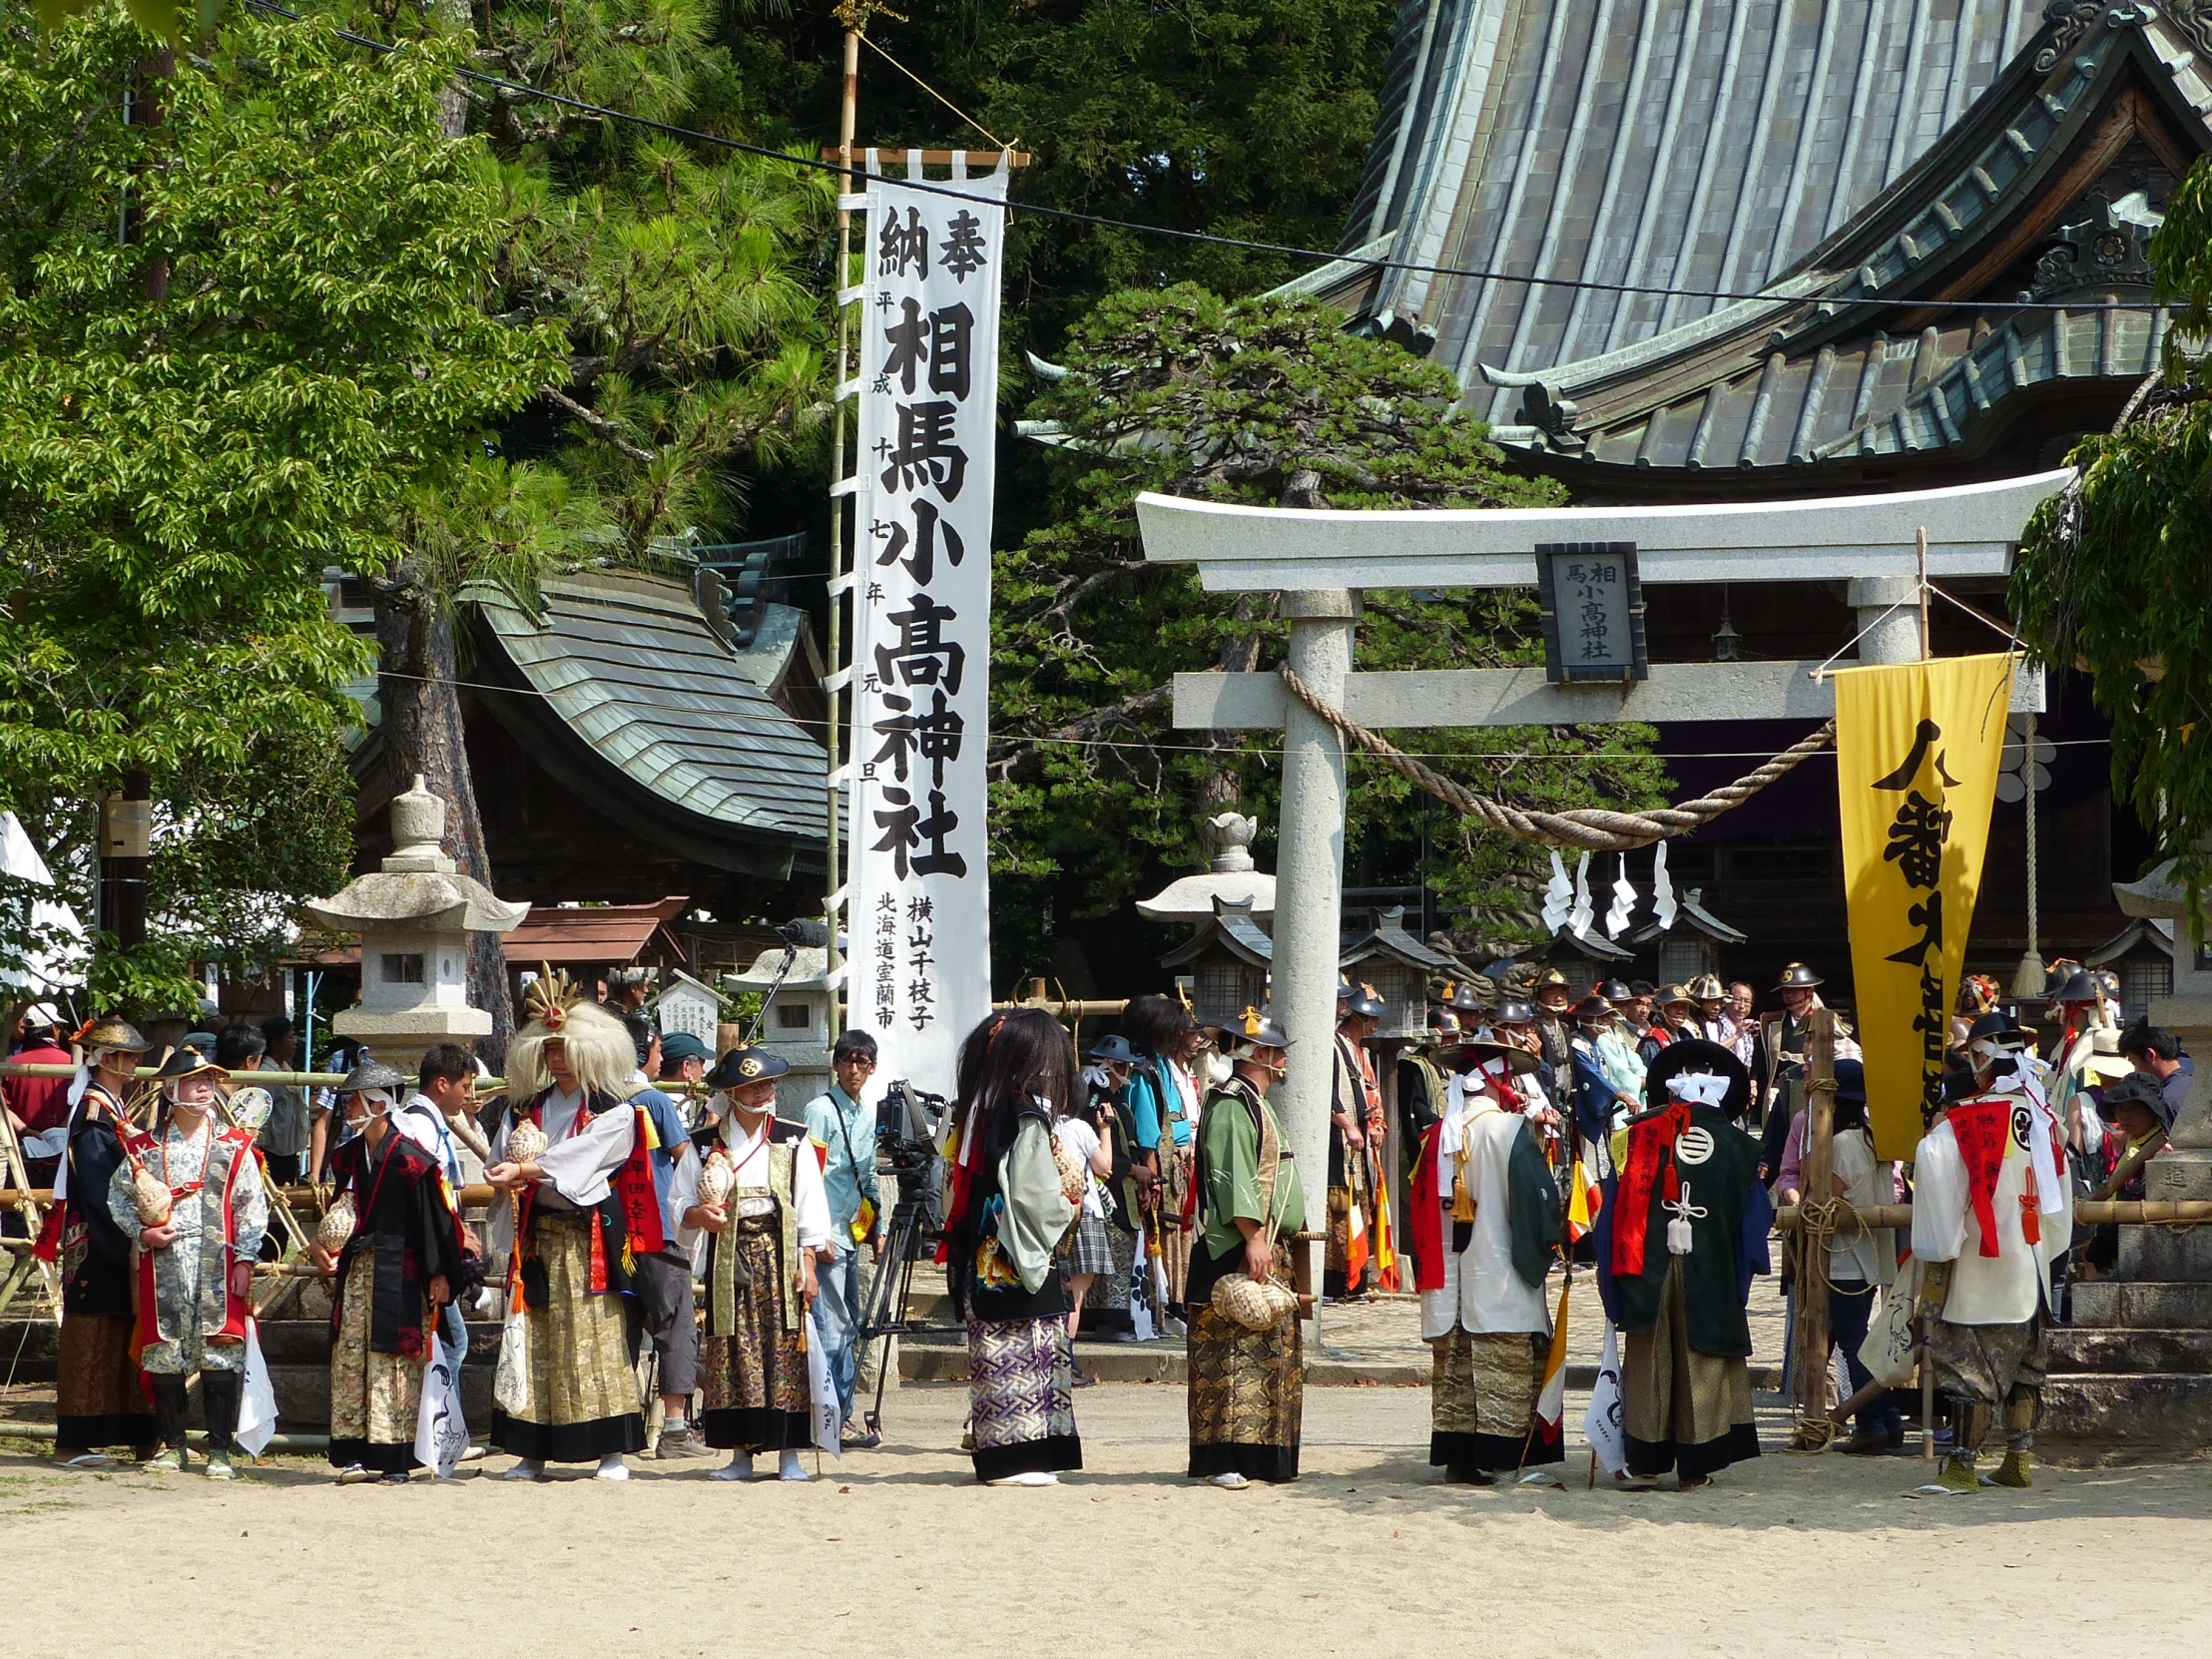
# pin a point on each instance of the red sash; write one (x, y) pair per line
(1650, 1155)
(1981, 1128)
(1426, 1213)
(631, 1183)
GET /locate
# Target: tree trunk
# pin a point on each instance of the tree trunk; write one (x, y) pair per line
(423, 733)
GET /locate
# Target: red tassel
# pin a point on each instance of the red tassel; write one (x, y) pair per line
(598, 1254)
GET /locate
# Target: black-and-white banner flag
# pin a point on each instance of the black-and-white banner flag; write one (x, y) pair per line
(919, 914)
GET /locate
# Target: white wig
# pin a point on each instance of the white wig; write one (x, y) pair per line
(600, 1053)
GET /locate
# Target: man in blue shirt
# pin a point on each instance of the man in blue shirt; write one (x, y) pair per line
(664, 1280)
(847, 1130)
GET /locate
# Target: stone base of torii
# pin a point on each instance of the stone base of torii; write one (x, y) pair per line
(1317, 563)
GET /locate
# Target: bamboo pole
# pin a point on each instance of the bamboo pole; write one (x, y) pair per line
(2087, 1212)
(1815, 1151)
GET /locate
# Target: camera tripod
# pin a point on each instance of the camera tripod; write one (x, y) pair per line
(907, 1239)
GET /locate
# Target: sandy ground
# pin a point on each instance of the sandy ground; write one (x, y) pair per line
(898, 1552)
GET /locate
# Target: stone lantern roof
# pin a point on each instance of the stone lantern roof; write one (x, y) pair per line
(1232, 879)
(420, 886)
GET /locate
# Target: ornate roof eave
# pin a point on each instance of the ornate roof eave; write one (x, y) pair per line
(1388, 937)
(1690, 908)
(1911, 244)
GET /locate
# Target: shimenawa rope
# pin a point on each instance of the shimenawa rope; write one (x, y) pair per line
(1592, 827)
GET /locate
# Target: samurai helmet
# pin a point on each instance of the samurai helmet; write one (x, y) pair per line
(1594, 1007)
(1515, 1011)
(1707, 987)
(1616, 992)
(112, 1035)
(1670, 995)
(1255, 1028)
(1361, 1000)
(1797, 976)
(186, 1061)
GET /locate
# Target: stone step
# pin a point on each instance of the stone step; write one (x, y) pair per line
(2134, 1411)
(2154, 1305)
(2113, 1352)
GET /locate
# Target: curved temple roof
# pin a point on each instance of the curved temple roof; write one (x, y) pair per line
(1806, 152)
(1705, 144)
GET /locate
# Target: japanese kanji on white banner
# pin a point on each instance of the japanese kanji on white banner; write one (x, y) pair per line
(918, 910)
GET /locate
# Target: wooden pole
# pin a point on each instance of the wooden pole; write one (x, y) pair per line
(1815, 1159)
(840, 512)
(1920, 544)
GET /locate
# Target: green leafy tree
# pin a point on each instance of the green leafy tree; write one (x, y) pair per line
(1236, 117)
(2111, 572)
(1264, 401)
(201, 417)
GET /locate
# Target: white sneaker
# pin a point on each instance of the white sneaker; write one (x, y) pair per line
(788, 1467)
(739, 1468)
(1028, 1478)
(1229, 1481)
(611, 1467)
(529, 1468)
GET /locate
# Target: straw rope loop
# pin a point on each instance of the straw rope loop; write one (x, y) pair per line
(1592, 829)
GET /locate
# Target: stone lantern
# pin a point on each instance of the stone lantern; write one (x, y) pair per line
(1229, 958)
(414, 918)
(1397, 966)
(1232, 878)
(797, 1029)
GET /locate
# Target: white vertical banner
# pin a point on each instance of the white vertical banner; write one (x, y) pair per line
(918, 914)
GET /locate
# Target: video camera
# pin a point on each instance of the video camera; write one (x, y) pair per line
(906, 1123)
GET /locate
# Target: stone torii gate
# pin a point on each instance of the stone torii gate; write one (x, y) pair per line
(1317, 563)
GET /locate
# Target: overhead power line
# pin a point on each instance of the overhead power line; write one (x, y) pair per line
(1318, 255)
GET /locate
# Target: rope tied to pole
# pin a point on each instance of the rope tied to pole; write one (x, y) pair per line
(1592, 829)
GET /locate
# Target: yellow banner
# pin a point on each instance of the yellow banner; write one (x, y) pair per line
(1917, 754)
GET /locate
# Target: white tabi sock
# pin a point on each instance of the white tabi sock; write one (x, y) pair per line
(611, 1467)
(788, 1467)
(739, 1468)
(530, 1468)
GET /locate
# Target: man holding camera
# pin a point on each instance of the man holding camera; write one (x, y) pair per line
(837, 1122)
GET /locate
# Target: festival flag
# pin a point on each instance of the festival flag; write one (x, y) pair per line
(1551, 1397)
(1601, 1423)
(1918, 748)
(828, 1414)
(1584, 1199)
(257, 1397)
(1386, 1252)
(1355, 1245)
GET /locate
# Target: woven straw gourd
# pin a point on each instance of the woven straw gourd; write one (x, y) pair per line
(152, 1195)
(337, 1224)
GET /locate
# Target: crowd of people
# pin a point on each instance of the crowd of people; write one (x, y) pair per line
(648, 1195)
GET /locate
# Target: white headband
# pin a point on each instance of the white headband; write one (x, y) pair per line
(1704, 1088)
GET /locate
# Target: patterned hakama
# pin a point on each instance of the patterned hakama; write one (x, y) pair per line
(374, 1397)
(99, 1400)
(1482, 1400)
(1178, 1166)
(570, 1395)
(1247, 1394)
(1682, 1409)
(1021, 1396)
(755, 1384)
(1992, 1374)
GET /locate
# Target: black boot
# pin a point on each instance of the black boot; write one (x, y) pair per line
(169, 1423)
(219, 1394)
